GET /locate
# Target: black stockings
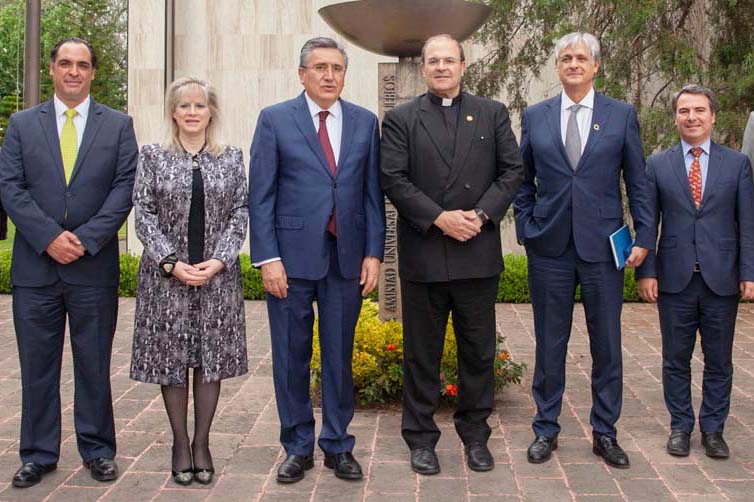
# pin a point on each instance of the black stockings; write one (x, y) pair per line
(205, 404)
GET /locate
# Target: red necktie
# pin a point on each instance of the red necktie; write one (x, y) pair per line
(695, 176)
(324, 140)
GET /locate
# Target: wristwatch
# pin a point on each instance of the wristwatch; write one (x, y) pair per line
(482, 215)
(167, 265)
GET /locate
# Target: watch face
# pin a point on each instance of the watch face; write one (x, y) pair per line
(168, 267)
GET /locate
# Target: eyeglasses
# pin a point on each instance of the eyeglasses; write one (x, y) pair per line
(323, 68)
(435, 62)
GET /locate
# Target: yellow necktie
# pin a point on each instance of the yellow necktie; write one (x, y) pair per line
(69, 144)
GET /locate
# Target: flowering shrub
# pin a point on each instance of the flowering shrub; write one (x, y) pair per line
(378, 360)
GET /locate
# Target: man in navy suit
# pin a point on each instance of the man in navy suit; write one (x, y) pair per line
(318, 233)
(66, 175)
(705, 257)
(575, 148)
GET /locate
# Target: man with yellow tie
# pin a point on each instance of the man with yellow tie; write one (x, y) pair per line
(66, 174)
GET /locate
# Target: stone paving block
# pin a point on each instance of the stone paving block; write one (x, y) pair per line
(646, 490)
(598, 498)
(76, 494)
(387, 477)
(37, 492)
(737, 491)
(284, 497)
(685, 478)
(237, 487)
(234, 424)
(155, 459)
(390, 497)
(390, 449)
(131, 486)
(329, 488)
(452, 463)
(731, 469)
(254, 460)
(523, 469)
(552, 490)
(584, 479)
(263, 434)
(187, 495)
(150, 421)
(432, 489)
(134, 443)
(499, 481)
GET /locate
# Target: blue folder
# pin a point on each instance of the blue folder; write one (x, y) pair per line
(621, 244)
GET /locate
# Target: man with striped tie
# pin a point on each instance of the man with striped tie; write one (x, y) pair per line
(703, 193)
(66, 174)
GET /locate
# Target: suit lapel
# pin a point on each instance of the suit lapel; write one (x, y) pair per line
(346, 136)
(600, 116)
(93, 124)
(306, 126)
(48, 121)
(714, 165)
(679, 167)
(435, 128)
(553, 119)
(464, 135)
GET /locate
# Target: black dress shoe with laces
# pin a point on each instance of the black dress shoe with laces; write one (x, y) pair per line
(424, 461)
(610, 451)
(479, 458)
(102, 469)
(345, 466)
(541, 449)
(293, 467)
(679, 443)
(714, 445)
(31, 473)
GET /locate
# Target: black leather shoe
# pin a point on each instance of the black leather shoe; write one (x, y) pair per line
(293, 467)
(679, 443)
(102, 469)
(346, 467)
(610, 451)
(31, 473)
(479, 458)
(424, 461)
(714, 445)
(541, 449)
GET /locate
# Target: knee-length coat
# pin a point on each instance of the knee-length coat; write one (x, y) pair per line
(162, 198)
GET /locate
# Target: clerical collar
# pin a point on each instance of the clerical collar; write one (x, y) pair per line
(437, 100)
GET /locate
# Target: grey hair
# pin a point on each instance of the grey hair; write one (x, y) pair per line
(320, 43)
(696, 89)
(577, 38)
(443, 36)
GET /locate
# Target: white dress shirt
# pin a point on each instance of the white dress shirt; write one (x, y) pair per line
(583, 119)
(79, 121)
(334, 123)
(688, 158)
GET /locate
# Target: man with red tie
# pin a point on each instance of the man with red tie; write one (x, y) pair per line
(703, 193)
(318, 232)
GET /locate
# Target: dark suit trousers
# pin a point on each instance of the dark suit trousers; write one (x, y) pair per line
(552, 282)
(681, 315)
(426, 307)
(39, 315)
(291, 323)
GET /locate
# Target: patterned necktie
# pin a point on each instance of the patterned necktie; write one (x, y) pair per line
(69, 147)
(573, 137)
(695, 176)
(324, 140)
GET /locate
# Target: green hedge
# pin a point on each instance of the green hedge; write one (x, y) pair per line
(513, 287)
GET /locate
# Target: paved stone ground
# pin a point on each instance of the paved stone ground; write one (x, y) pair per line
(245, 448)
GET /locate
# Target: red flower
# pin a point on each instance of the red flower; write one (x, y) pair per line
(390, 347)
(451, 390)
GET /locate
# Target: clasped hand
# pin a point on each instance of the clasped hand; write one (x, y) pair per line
(199, 274)
(65, 248)
(458, 224)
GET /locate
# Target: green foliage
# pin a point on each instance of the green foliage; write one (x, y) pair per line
(377, 361)
(104, 23)
(129, 275)
(650, 49)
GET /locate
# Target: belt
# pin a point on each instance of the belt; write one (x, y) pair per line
(696, 267)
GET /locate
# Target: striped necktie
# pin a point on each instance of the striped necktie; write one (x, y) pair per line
(69, 147)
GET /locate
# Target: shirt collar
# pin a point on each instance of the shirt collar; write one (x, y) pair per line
(82, 108)
(314, 108)
(587, 102)
(704, 146)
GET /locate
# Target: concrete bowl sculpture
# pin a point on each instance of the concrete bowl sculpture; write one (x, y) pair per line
(399, 27)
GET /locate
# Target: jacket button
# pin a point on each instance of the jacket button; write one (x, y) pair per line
(68, 194)
(467, 186)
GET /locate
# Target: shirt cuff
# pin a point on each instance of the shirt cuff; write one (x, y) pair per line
(265, 262)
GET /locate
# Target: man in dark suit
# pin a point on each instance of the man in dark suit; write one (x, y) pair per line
(318, 232)
(66, 175)
(703, 193)
(575, 147)
(450, 165)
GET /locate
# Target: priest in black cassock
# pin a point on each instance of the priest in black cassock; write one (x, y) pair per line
(451, 166)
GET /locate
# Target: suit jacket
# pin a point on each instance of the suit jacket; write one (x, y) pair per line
(720, 235)
(584, 201)
(292, 192)
(93, 205)
(421, 181)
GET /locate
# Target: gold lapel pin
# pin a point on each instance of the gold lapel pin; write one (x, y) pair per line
(469, 118)
(596, 127)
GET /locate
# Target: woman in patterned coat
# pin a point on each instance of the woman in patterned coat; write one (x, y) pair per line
(191, 214)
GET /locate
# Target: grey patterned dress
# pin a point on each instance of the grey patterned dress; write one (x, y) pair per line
(172, 317)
